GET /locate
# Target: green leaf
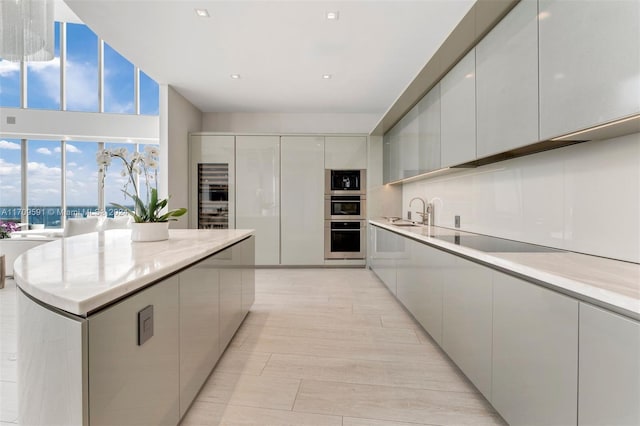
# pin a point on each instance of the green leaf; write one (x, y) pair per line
(171, 214)
(130, 212)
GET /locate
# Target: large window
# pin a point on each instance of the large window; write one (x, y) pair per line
(10, 179)
(81, 178)
(115, 181)
(43, 80)
(9, 84)
(119, 74)
(82, 69)
(42, 196)
(44, 168)
(149, 95)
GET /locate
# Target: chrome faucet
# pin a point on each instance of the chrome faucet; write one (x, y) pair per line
(427, 211)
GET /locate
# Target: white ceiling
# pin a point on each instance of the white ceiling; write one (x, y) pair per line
(281, 49)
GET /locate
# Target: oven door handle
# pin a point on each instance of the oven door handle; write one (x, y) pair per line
(345, 230)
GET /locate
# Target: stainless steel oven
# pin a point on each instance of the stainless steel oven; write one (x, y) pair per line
(341, 207)
(345, 239)
(345, 182)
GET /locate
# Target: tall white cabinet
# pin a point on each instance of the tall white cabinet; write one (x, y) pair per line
(216, 150)
(302, 202)
(258, 193)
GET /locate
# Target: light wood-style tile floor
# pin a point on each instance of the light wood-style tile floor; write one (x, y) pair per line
(319, 347)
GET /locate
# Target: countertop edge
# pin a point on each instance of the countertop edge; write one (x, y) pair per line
(90, 304)
(585, 292)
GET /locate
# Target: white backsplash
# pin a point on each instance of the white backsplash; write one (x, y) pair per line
(583, 198)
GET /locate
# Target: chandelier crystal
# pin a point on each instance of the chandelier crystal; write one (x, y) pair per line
(26, 30)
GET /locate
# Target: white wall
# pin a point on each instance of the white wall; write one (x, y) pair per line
(282, 123)
(583, 198)
(178, 118)
(79, 126)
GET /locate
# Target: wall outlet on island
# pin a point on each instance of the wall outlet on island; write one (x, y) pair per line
(457, 221)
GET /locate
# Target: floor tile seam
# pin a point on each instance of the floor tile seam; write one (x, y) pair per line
(265, 366)
(364, 383)
(324, 328)
(258, 337)
(363, 351)
(295, 398)
(364, 340)
(380, 419)
(403, 421)
(402, 363)
(472, 392)
(247, 405)
(271, 409)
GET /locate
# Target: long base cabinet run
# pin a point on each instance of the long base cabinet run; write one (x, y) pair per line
(538, 356)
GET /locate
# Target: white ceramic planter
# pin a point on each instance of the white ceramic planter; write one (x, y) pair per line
(149, 231)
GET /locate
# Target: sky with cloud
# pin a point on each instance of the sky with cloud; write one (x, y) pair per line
(43, 92)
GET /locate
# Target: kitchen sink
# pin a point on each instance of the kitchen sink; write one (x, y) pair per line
(405, 223)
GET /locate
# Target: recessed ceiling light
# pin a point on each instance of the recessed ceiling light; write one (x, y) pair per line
(235, 76)
(203, 13)
(333, 16)
(327, 76)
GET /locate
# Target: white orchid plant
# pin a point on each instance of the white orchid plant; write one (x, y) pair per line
(139, 164)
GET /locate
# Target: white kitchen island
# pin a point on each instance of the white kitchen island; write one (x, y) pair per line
(116, 332)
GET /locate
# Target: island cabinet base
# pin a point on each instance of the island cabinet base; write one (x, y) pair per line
(141, 360)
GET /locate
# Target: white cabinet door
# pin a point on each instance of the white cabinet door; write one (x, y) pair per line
(392, 166)
(589, 63)
(458, 103)
(420, 282)
(215, 151)
(229, 263)
(345, 152)
(125, 386)
(258, 193)
(535, 354)
(199, 311)
(609, 376)
(302, 200)
(429, 131)
(467, 321)
(507, 82)
(408, 144)
(389, 250)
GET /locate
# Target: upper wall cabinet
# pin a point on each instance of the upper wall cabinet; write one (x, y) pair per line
(458, 103)
(345, 152)
(429, 131)
(412, 146)
(589, 63)
(507, 82)
(391, 167)
(409, 164)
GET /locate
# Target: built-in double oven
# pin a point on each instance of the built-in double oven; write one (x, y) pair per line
(345, 207)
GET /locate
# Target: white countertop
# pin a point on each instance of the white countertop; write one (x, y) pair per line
(82, 273)
(611, 284)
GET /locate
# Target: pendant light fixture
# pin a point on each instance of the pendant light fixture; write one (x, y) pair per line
(26, 30)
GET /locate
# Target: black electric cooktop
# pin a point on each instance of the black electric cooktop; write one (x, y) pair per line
(494, 245)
